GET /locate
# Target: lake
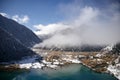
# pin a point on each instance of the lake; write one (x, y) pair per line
(68, 72)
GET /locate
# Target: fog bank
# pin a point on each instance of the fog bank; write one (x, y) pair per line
(85, 25)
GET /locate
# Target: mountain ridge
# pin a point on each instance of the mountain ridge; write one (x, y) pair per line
(20, 32)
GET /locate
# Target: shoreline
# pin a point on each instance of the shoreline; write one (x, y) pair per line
(54, 61)
(14, 68)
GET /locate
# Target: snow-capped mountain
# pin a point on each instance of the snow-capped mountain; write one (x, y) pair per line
(114, 66)
(115, 49)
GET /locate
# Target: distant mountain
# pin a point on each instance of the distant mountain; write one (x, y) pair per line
(116, 49)
(11, 48)
(82, 48)
(113, 49)
(18, 31)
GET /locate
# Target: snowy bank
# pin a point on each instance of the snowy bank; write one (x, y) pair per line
(32, 62)
(115, 70)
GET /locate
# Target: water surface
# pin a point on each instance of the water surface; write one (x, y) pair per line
(70, 72)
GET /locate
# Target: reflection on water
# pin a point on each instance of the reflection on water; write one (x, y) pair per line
(71, 72)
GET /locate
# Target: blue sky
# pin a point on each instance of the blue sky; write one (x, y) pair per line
(39, 11)
(45, 11)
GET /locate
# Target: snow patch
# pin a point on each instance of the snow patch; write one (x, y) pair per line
(108, 48)
(115, 70)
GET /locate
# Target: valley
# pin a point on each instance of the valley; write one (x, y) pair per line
(101, 62)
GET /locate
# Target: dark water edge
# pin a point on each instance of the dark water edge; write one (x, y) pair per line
(69, 72)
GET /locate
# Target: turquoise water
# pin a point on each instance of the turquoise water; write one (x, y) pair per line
(70, 72)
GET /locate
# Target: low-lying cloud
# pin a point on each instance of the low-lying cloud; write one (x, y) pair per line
(91, 26)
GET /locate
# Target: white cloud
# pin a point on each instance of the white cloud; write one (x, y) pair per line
(49, 29)
(20, 19)
(4, 14)
(91, 26)
(23, 19)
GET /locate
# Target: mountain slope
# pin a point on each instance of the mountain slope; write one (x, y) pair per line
(18, 31)
(11, 49)
(83, 48)
(116, 48)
